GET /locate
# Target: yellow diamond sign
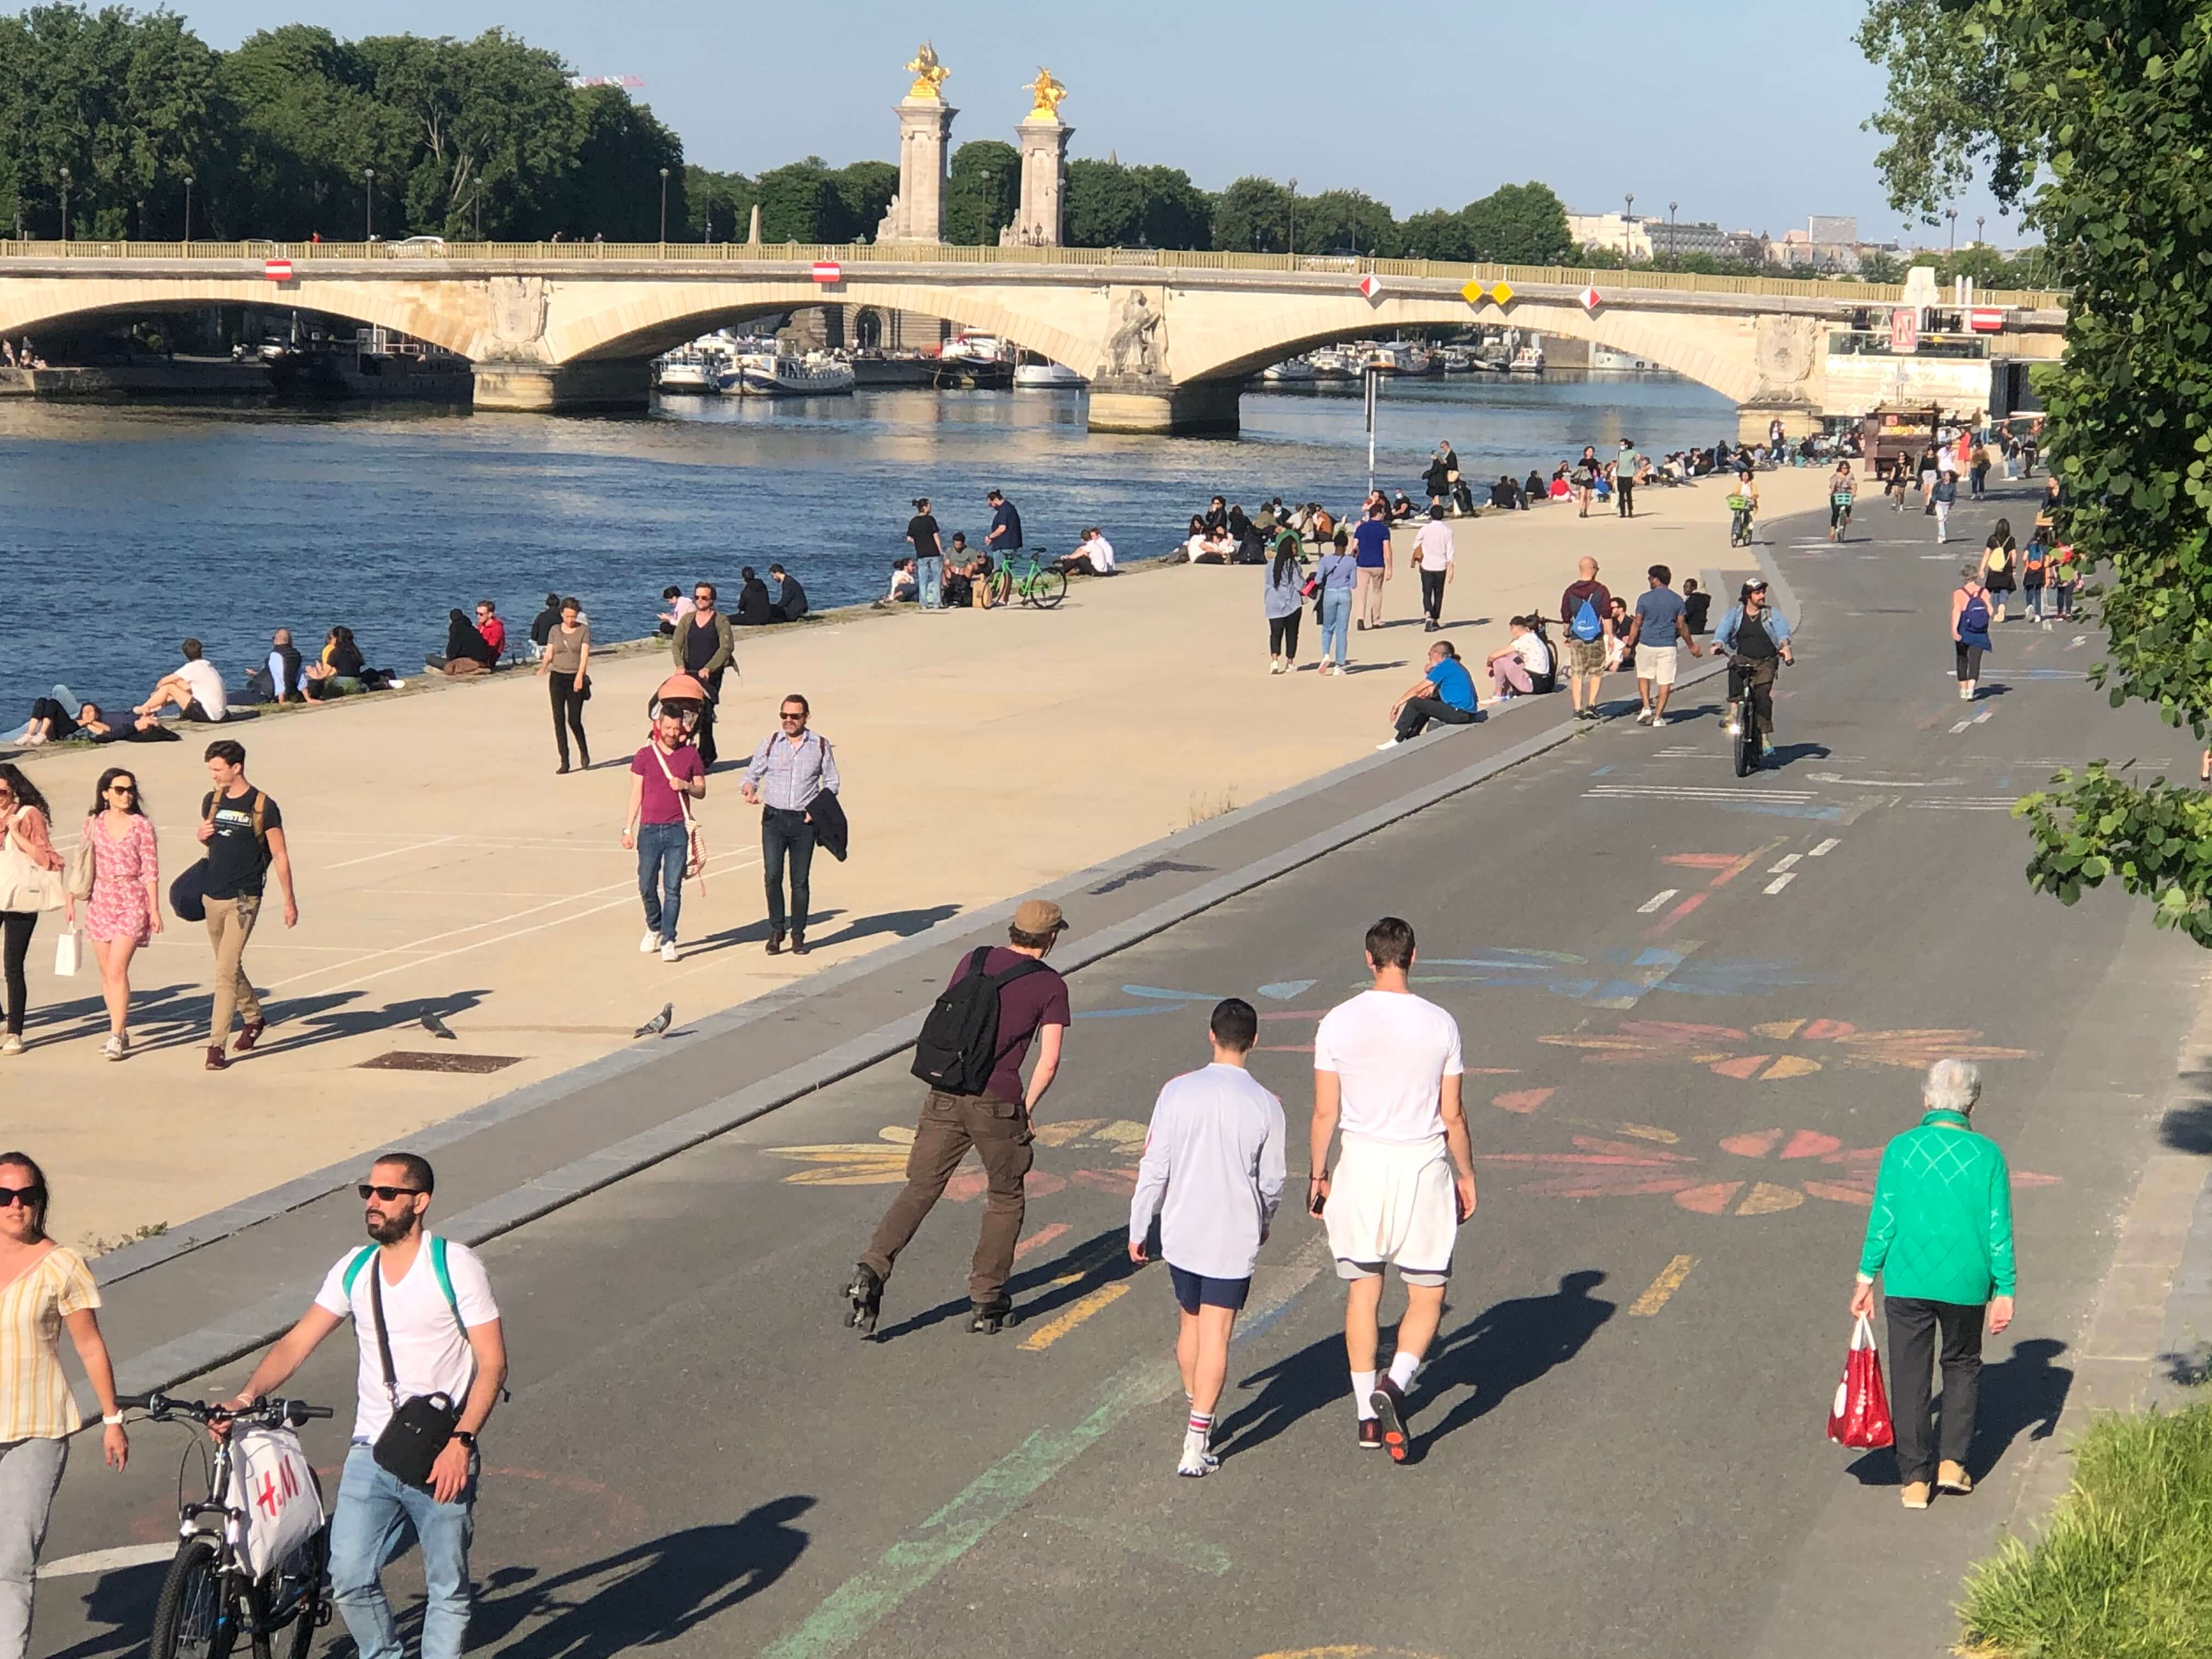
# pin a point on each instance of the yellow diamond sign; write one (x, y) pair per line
(1474, 294)
(1502, 293)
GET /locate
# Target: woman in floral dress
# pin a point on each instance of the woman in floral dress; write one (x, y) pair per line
(125, 911)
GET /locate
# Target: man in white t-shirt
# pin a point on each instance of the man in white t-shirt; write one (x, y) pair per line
(196, 688)
(1387, 1070)
(1432, 553)
(443, 1329)
(1093, 556)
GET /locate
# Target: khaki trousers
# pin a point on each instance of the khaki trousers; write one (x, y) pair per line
(999, 1131)
(229, 925)
(1367, 597)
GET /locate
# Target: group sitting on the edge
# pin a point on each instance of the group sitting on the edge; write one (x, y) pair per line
(196, 689)
(468, 650)
(1093, 556)
(1524, 664)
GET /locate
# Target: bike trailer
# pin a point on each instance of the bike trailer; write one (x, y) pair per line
(280, 1503)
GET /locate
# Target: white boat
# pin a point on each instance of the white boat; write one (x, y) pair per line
(975, 349)
(1331, 364)
(1043, 374)
(1529, 360)
(781, 374)
(1398, 357)
(688, 371)
(1291, 371)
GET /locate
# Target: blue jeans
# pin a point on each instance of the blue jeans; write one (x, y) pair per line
(930, 573)
(663, 849)
(374, 1517)
(1335, 623)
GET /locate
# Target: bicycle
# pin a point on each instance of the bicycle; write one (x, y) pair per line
(1036, 584)
(209, 1596)
(1739, 510)
(1745, 745)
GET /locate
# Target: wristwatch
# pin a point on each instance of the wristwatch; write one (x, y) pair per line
(466, 1438)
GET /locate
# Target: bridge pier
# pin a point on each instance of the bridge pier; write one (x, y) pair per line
(1158, 407)
(1799, 420)
(558, 388)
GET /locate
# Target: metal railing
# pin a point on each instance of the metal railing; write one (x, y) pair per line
(952, 253)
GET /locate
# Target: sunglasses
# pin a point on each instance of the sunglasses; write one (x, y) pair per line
(122, 788)
(787, 719)
(31, 1197)
(387, 1194)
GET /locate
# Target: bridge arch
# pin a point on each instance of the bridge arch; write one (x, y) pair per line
(422, 310)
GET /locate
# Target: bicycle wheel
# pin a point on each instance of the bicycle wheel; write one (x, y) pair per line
(1746, 739)
(297, 1596)
(197, 1616)
(1047, 589)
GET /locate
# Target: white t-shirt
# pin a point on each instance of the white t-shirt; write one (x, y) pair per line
(429, 1353)
(1392, 1051)
(1100, 552)
(205, 681)
(1434, 545)
(1535, 656)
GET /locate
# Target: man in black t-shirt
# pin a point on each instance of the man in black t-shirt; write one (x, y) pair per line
(244, 834)
(922, 535)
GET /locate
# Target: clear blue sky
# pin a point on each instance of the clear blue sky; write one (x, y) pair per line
(1746, 114)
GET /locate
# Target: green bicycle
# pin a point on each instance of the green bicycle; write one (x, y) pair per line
(1034, 583)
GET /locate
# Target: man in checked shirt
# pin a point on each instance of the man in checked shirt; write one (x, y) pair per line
(792, 766)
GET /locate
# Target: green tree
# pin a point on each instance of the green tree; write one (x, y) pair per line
(613, 187)
(1347, 222)
(1103, 205)
(1518, 225)
(718, 207)
(2110, 104)
(982, 191)
(865, 190)
(1881, 268)
(799, 203)
(306, 125)
(1175, 213)
(1253, 216)
(1436, 234)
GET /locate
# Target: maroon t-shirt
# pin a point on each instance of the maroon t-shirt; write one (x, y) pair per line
(1038, 998)
(1570, 602)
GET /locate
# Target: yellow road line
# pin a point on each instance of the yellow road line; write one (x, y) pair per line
(1045, 1335)
(1669, 1281)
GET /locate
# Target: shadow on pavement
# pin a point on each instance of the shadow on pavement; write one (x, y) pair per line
(753, 932)
(1100, 1260)
(2189, 1128)
(1507, 1346)
(899, 924)
(1296, 1387)
(2025, 1392)
(123, 1602)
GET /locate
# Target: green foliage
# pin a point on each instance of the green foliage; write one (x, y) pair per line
(2123, 1570)
(799, 203)
(614, 188)
(1881, 268)
(1254, 216)
(2114, 102)
(1348, 222)
(865, 190)
(718, 207)
(1518, 225)
(983, 190)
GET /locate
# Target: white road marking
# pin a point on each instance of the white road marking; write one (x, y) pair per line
(114, 1560)
(393, 852)
(1985, 715)
(1779, 882)
(1825, 848)
(1787, 861)
(1961, 726)
(1684, 792)
(1656, 900)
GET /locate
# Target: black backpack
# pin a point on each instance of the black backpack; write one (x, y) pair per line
(958, 1047)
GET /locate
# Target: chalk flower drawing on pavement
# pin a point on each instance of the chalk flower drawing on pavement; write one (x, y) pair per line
(1775, 1050)
(1107, 1148)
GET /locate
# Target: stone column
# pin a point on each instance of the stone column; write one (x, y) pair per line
(925, 130)
(1044, 177)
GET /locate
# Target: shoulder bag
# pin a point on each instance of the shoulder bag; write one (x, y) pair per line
(695, 859)
(25, 883)
(83, 867)
(422, 1424)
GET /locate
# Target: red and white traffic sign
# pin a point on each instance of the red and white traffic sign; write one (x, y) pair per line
(1591, 301)
(1905, 330)
(1371, 286)
(1986, 319)
(829, 271)
(276, 270)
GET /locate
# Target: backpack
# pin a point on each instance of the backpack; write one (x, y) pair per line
(1975, 618)
(367, 1252)
(958, 1047)
(1586, 626)
(2034, 564)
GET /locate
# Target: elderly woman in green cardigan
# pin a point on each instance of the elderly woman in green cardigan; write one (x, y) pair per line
(1940, 1237)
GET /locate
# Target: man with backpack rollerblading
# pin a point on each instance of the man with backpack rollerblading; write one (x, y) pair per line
(970, 1053)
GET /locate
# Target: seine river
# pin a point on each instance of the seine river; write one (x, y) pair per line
(129, 527)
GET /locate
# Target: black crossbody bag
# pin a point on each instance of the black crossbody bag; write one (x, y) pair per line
(421, 1425)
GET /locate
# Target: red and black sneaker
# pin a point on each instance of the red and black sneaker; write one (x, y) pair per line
(1388, 1401)
(1371, 1435)
(248, 1035)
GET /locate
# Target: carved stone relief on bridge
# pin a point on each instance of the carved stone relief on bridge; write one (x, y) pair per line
(1784, 351)
(517, 315)
(1136, 336)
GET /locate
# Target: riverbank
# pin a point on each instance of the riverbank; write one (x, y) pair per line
(443, 869)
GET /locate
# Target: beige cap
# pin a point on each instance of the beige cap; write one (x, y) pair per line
(1035, 916)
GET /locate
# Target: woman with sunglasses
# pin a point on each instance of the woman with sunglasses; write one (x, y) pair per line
(44, 1287)
(125, 911)
(27, 849)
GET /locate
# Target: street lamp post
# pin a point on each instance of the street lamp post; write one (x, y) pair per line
(189, 182)
(1951, 215)
(1979, 221)
(990, 206)
(65, 184)
(663, 209)
(1293, 210)
(369, 204)
(1672, 246)
(1628, 228)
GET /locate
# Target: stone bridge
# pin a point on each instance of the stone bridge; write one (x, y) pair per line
(1167, 338)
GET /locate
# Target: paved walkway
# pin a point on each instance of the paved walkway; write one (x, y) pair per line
(441, 867)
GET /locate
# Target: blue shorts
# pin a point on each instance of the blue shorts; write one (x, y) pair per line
(1195, 1291)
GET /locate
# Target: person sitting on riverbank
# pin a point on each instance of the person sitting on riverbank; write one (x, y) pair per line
(1533, 493)
(789, 602)
(1524, 664)
(1216, 516)
(467, 651)
(542, 624)
(1445, 693)
(278, 680)
(906, 587)
(338, 672)
(754, 608)
(677, 606)
(1205, 546)
(94, 726)
(493, 630)
(1093, 556)
(1400, 509)
(1505, 495)
(196, 689)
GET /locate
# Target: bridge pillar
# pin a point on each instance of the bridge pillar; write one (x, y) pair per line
(1156, 406)
(558, 388)
(1754, 420)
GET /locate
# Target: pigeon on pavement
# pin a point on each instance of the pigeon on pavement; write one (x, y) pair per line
(659, 1023)
(436, 1027)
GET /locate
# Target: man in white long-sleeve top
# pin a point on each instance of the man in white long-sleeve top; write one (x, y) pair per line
(1212, 1172)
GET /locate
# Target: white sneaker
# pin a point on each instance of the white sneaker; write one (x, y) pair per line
(113, 1048)
(1644, 717)
(13, 1045)
(1387, 743)
(668, 952)
(1658, 719)
(649, 943)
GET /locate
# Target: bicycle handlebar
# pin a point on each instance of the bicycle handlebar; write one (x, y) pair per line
(270, 1412)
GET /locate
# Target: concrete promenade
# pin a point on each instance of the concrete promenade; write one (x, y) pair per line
(442, 868)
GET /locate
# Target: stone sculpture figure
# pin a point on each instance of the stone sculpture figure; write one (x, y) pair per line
(1137, 332)
(928, 75)
(1046, 94)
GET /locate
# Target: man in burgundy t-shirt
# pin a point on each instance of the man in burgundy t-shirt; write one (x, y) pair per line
(663, 774)
(1586, 658)
(996, 1123)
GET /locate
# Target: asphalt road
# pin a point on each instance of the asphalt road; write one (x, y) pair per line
(1693, 1008)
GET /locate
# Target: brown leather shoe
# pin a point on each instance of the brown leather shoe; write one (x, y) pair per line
(798, 945)
(216, 1059)
(249, 1034)
(1953, 1477)
(775, 943)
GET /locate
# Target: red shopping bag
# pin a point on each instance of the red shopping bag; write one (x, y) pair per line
(1860, 1417)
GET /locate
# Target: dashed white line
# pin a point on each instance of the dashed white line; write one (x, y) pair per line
(1656, 900)
(111, 1560)
(1825, 848)
(1779, 882)
(1985, 715)
(1788, 860)
(1961, 726)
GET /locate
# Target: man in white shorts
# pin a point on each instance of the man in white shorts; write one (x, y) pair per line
(1387, 1070)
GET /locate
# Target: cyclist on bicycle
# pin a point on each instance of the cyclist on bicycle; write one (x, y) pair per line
(1842, 488)
(1744, 505)
(1757, 635)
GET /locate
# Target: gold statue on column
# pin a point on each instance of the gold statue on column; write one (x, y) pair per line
(1046, 94)
(928, 75)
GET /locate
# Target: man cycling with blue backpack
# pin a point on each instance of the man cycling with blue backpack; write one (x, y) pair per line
(1586, 609)
(1757, 636)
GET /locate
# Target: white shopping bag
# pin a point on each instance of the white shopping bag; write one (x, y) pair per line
(69, 948)
(274, 1487)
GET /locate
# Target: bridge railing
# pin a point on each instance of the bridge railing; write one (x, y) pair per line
(953, 253)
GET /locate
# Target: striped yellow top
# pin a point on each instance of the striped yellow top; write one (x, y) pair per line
(35, 1403)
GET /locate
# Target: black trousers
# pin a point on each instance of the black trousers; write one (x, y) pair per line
(1433, 594)
(15, 926)
(568, 715)
(787, 835)
(1914, 1325)
(1624, 497)
(704, 736)
(1752, 678)
(1283, 635)
(1414, 717)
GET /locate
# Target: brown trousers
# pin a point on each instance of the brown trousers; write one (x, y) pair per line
(229, 925)
(998, 1130)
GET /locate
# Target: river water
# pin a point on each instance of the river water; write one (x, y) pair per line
(129, 527)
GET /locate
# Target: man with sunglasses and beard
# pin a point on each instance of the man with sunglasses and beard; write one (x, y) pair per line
(431, 1329)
